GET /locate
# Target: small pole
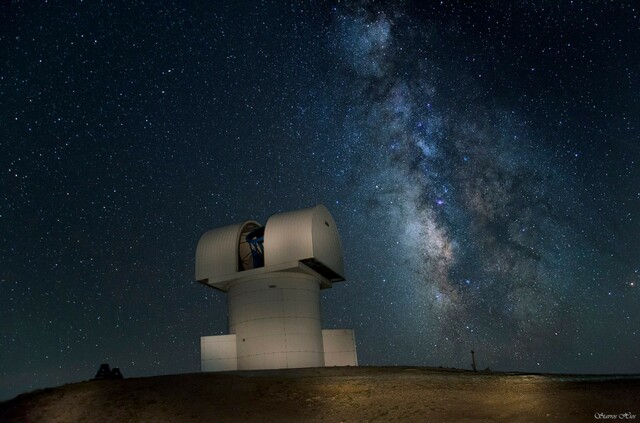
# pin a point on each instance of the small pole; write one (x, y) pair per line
(473, 361)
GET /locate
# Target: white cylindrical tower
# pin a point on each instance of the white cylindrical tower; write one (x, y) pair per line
(276, 320)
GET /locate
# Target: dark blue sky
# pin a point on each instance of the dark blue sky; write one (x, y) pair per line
(480, 160)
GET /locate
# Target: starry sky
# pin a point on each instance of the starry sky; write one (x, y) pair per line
(481, 160)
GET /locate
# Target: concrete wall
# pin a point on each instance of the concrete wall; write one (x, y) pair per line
(339, 347)
(218, 353)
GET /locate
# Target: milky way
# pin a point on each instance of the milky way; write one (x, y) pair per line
(480, 212)
(481, 163)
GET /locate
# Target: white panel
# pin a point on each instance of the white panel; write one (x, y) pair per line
(303, 234)
(302, 342)
(268, 331)
(258, 345)
(301, 359)
(217, 251)
(288, 237)
(326, 242)
(339, 347)
(218, 353)
(261, 326)
(258, 310)
(264, 361)
(256, 330)
(302, 325)
(299, 293)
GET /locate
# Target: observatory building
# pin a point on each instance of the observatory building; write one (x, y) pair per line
(273, 275)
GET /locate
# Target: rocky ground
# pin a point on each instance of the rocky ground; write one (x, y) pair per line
(357, 394)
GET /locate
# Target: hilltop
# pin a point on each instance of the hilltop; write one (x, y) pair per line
(332, 395)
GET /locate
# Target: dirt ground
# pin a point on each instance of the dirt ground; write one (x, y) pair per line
(358, 394)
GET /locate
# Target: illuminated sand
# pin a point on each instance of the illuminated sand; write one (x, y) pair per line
(332, 395)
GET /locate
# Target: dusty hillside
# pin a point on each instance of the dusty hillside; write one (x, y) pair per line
(332, 395)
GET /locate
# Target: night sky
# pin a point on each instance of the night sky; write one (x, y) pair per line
(481, 160)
